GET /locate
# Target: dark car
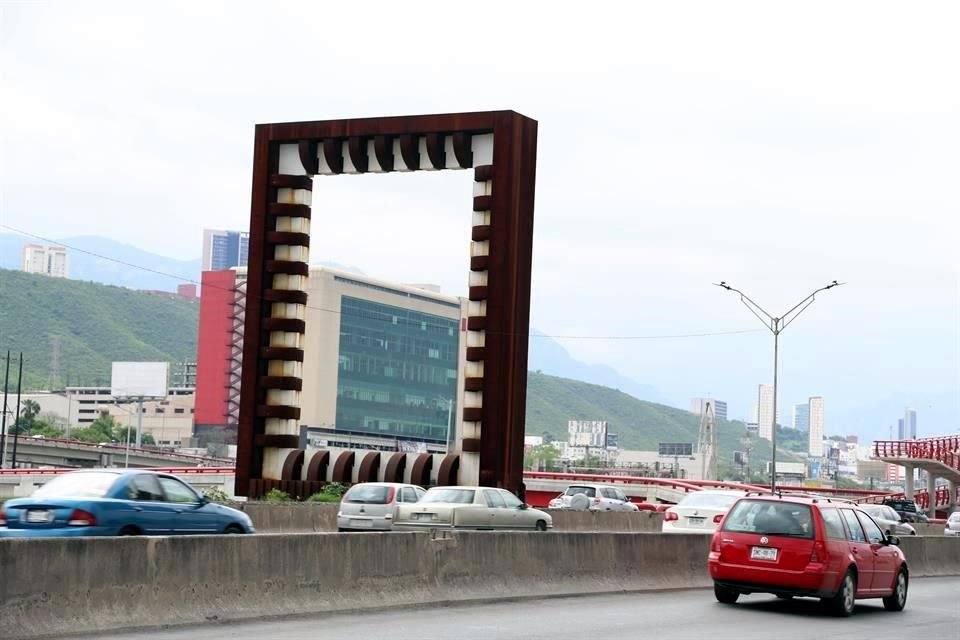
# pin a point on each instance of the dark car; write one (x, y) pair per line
(907, 509)
(796, 546)
(117, 502)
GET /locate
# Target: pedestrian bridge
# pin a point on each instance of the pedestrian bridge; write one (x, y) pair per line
(939, 457)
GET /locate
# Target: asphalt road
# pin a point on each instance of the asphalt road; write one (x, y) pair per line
(931, 613)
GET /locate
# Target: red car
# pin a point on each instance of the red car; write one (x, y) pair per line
(806, 546)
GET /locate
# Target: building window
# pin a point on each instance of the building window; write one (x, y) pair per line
(179, 410)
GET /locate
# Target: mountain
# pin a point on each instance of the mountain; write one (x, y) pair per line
(99, 259)
(547, 356)
(552, 401)
(94, 324)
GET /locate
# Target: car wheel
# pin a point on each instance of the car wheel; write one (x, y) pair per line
(724, 595)
(897, 600)
(541, 525)
(841, 604)
(233, 529)
(129, 530)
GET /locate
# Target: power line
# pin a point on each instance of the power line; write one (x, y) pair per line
(338, 312)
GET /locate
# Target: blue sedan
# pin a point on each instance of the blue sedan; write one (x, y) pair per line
(117, 502)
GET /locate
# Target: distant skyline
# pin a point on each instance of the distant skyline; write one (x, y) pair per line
(678, 146)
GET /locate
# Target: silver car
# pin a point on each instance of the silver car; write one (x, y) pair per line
(372, 506)
(952, 527)
(888, 519)
(593, 497)
(470, 508)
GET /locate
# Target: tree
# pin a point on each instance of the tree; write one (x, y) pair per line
(542, 458)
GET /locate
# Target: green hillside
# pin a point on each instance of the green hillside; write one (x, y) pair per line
(552, 401)
(96, 324)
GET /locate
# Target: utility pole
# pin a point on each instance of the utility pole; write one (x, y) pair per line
(3, 420)
(776, 325)
(16, 416)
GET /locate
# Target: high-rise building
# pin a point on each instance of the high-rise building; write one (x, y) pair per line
(909, 425)
(816, 427)
(381, 360)
(719, 407)
(50, 261)
(224, 249)
(765, 417)
(801, 417)
(900, 434)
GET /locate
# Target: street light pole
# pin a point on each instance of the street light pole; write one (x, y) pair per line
(776, 326)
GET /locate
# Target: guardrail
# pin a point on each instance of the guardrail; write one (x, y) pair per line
(173, 470)
(116, 448)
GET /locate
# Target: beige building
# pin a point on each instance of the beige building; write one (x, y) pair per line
(51, 261)
(816, 426)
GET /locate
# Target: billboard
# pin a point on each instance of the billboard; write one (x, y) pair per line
(613, 441)
(139, 379)
(673, 449)
(587, 433)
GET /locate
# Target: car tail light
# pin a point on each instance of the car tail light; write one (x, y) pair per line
(596, 500)
(717, 518)
(670, 516)
(819, 553)
(81, 518)
(3, 518)
(715, 543)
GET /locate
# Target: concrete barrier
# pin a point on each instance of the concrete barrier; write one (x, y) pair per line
(49, 587)
(298, 517)
(53, 586)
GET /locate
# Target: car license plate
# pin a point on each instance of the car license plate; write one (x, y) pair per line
(763, 553)
(39, 516)
(361, 524)
(696, 522)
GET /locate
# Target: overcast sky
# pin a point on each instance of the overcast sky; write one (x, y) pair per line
(775, 146)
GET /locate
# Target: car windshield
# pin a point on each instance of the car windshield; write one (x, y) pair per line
(368, 494)
(460, 496)
(769, 518)
(587, 491)
(955, 517)
(704, 499)
(77, 485)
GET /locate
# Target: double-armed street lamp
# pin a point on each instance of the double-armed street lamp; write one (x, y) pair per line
(776, 325)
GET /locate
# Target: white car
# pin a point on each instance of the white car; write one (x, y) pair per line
(470, 508)
(593, 497)
(952, 527)
(372, 506)
(700, 511)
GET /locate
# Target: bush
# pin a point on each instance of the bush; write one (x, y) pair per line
(276, 495)
(335, 489)
(323, 497)
(216, 494)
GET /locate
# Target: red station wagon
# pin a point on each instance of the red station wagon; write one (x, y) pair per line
(806, 546)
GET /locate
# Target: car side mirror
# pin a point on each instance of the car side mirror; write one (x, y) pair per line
(204, 500)
(892, 539)
(523, 506)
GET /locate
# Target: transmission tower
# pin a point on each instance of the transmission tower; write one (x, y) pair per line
(53, 382)
(707, 444)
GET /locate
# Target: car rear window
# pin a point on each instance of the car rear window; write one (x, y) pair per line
(701, 499)
(590, 492)
(769, 518)
(77, 485)
(367, 494)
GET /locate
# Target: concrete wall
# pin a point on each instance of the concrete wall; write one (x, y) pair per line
(51, 586)
(306, 518)
(59, 585)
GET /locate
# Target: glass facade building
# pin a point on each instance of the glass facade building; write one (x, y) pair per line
(397, 371)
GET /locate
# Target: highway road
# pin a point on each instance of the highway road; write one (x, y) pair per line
(931, 613)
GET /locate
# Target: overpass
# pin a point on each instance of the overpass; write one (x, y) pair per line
(61, 453)
(939, 457)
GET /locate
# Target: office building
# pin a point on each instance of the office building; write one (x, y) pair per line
(224, 249)
(909, 423)
(381, 360)
(765, 417)
(816, 427)
(49, 261)
(900, 433)
(801, 417)
(719, 407)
